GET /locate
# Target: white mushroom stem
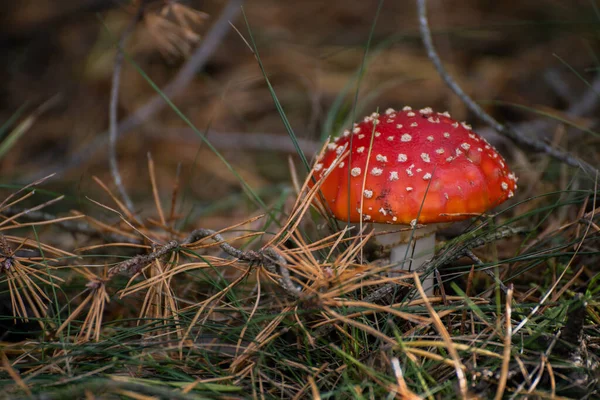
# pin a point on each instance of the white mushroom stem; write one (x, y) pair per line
(409, 250)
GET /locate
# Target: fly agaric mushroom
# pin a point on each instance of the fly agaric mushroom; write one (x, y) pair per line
(412, 167)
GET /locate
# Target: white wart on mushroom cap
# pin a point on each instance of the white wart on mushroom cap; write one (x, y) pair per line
(403, 160)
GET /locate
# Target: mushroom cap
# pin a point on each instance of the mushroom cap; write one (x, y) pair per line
(407, 165)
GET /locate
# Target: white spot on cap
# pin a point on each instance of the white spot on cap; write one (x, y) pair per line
(430, 138)
(410, 114)
(394, 176)
(419, 170)
(510, 194)
(406, 108)
(318, 167)
(414, 124)
(376, 171)
(389, 111)
(402, 157)
(446, 196)
(445, 114)
(406, 137)
(368, 193)
(332, 146)
(504, 186)
(449, 158)
(346, 133)
(360, 149)
(413, 223)
(465, 146)
(361, 136)
(426, 110)
(433, 120)
(381, 158)
(479, 149)
(466, 126)
(341, 165)
(377, 134)
(390, 138)
(409, 189)
(383, 211)
(355, 171)
(367, 217)
(455, 124)
(425, 157)
(394, 219)
(409, 170)
(440, 151)
(427, 176)
(340, 150)
(356, 130)
(335, 140)
(446, 135)
(398, 126)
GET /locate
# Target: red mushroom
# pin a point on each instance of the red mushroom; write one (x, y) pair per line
(409, 167)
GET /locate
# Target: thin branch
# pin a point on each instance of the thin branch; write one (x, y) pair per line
(489, 273)
(505, 130)
(188, 71)
(113, 109)
(269, 257)
(249, 141)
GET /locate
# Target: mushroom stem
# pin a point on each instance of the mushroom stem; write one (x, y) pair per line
(409, 250)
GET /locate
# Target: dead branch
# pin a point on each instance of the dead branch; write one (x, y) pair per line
(268, 257)
(516, 137)
(114, 102)
(188, 71)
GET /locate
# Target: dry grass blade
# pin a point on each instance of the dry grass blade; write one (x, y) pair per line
(507, 346)
(159, 303)
(6, 366)
(98, 298)
(36, 208)
(23, 189)
(124, 210)
(439, 326)
(26, 296)
(155, 195)
(403, 391)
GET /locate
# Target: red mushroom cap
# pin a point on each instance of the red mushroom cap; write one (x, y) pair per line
(406, 164)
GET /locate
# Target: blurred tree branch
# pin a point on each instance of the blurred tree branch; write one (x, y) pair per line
(196, 62)
(505, 130)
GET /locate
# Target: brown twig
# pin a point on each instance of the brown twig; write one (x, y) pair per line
(268, 257)
(516, 137)
(114, 103)
(489, 273)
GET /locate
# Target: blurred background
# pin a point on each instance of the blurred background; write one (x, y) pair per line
(525, 62)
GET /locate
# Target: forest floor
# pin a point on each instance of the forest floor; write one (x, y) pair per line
(158, 239)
